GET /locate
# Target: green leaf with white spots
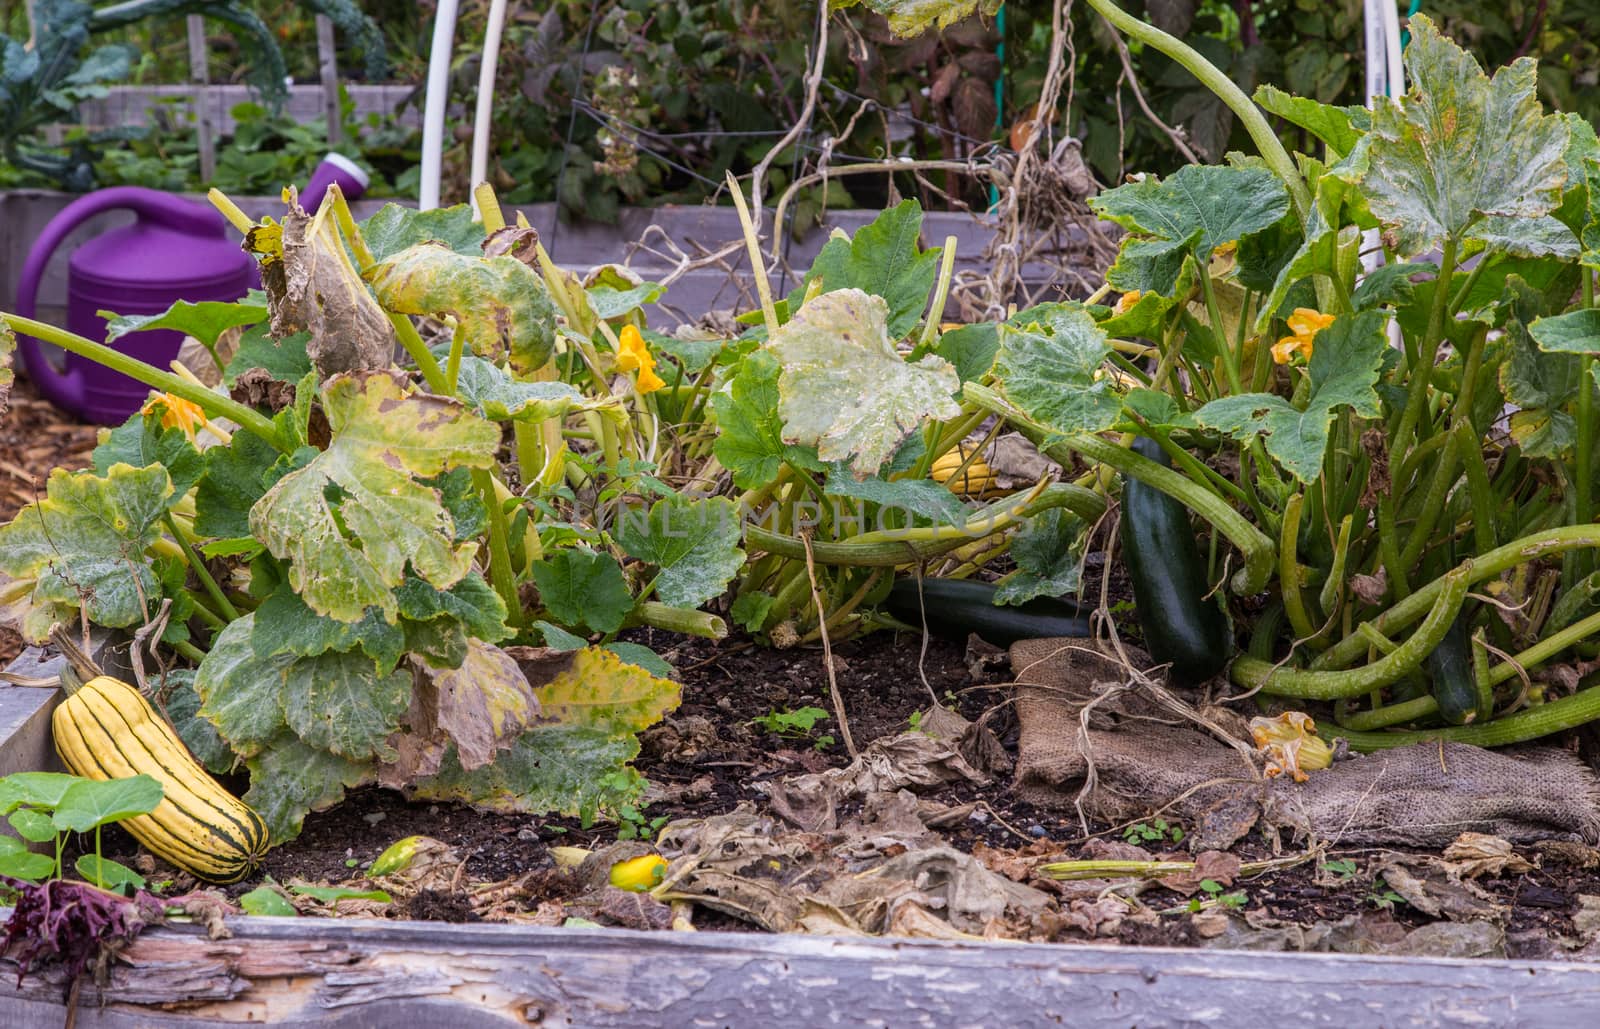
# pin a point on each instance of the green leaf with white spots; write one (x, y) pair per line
(1460, 147)
(844, 387)
(141, 441)
(1346, 359)
(500, 304)
(347, 555)
(340, 702)
(83, 546)
(693, 544)
(1542, 372)
(749, 429)
(1050, 367)
(395, 228)
(495, 395)
(1048, 552)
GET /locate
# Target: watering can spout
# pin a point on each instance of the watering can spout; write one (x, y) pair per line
(175, 249)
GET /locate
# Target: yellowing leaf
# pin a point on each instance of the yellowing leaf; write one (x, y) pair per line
(575, 758)
(601, 691)
(844, 387)
(499, 303)
(348, 554)
(83, 546)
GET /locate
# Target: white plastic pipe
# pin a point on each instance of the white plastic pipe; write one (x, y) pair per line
(486, 73)
(1386, 76)
(444, 39)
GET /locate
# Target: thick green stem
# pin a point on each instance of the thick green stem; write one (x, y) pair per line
(1421, 367)
(1256, 546)
(198, 566)
(1529, 548)
(215, 405)
(1289, 569)
(679, 619)
(1531, 724)
(1411, 710)
(500, 574)
(1253, 673)
(1255, 123)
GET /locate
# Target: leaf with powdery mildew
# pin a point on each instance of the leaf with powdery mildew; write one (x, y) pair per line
(844, 387)
(1050, 367)
(575, 757)
(1461, 146)
(500, 304)
(1346, 358)
(909, 18)
(83, 546)
(480, 707)
(694, 545)
(348, 554)
(289, 779)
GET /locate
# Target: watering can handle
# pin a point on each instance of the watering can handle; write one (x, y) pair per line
(179, 214)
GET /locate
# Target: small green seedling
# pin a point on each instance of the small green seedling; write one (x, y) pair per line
(794, 725)
(1157, 831)
(1216, 896)
(1341, 868)
(1383, 897)
(633, 825)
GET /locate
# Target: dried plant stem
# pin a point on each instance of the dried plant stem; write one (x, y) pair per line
(827, 650)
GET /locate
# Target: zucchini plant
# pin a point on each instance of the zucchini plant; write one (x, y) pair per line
(1371, 370)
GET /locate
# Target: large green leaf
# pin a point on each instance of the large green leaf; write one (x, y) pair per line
(471, 604)
(347, 555)
(1345, 361)
(204, 321)
(340, 702)
(141, 441)
(694, 545)
(1339, 127)
(844, 387)
(395, 228)
(289, 779)
(1049, 557)
(581, 587)
(970, 349)
(1217, 202)
(749, 430)
(1050, 368)
(283, 360)
(1576, 332)
(182, 707)
(500, 304)
(240, 692)
(235, 477)
(1461, 146)
(883, 259)
(83, 546)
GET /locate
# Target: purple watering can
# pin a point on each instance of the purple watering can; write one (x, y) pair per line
(175, 249)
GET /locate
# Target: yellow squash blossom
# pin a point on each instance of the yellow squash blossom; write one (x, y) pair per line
(633, 355)
(1291, 745)
(176, 413)
(1127, 300)
(1305, 324)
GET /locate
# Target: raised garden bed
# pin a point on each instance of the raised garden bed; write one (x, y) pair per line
(556, 621)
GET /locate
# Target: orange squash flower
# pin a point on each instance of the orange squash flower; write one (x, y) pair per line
(634, 356)
(1305, 323)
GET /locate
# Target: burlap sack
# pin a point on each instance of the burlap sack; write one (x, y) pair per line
(1142, 755)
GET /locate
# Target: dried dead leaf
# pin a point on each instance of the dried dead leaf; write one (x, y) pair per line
(1475, 854)
(1212, 865)
(1370, 589)
(1100, 917)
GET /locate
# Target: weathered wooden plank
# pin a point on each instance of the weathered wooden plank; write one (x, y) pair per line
(350, 973)
(130, 105)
